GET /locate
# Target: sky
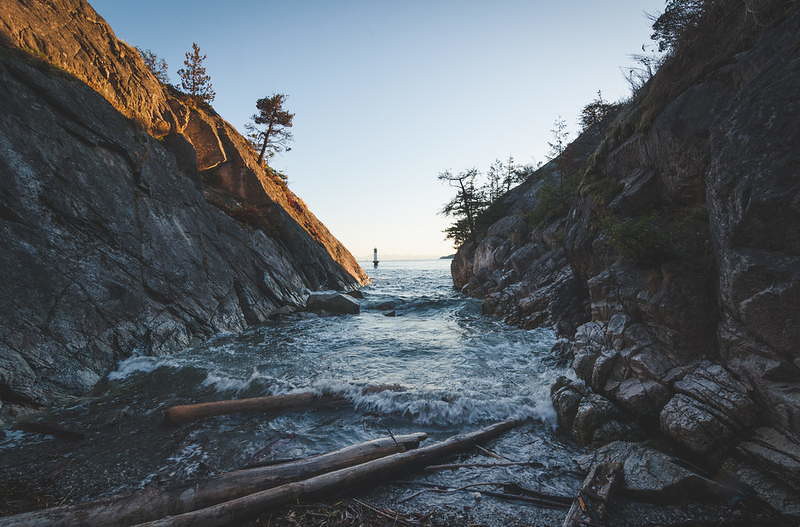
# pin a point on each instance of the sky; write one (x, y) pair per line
(388, 94)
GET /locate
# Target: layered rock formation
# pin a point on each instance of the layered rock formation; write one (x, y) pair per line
(674, 268)
(133, 220)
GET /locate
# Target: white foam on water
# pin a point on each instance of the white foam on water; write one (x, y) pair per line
(438, 407)
(133, 365)
(222, 382)
(187, 460)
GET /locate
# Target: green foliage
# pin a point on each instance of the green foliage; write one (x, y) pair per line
(476, 206)
(596, 111)
(553, 200)
(560, 138)
(465, 206)
(602, 190)
(277, 175)
(642, 240)
(679, 16)
(657, 237)
(155, 64)
(268, 128)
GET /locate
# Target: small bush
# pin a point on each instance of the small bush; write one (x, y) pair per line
(642, 240)
(655, 238)
(602, 190)
(553, 200)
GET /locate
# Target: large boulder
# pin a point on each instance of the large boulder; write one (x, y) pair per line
(709, 408)
(590, 418)
(651, 474)
(332, 302)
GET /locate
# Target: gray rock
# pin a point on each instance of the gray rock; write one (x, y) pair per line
(710, 408)
(693, 424)
(775, 452)
(590, 418)
(566, 397)
(653, 475)
(598, 421)
(643, 398)
(696, 333)
(771, 489)
(332, 302)
(109, 241)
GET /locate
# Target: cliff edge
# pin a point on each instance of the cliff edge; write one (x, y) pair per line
(673, 268)
(134, 222)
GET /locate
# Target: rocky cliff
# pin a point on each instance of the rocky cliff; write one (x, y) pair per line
(133, 221)
(672, 266)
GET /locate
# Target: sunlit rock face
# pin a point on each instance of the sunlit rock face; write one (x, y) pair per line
(133, 222)
(696, 336)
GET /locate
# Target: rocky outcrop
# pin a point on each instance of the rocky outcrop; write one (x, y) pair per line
(590, 418)
(653, 475)
(674, 269)
(332, 302)
(133, 221)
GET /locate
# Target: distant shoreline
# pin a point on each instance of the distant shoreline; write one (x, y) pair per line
(410, 259)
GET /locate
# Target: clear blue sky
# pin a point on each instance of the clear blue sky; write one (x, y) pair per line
(388, 94)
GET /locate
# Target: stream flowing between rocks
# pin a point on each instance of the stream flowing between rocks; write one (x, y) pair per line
(461, 370)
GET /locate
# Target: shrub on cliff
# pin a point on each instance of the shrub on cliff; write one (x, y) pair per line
(596, 111)
(642, 240)
(155, 64)
(553, 200)
(651, 239)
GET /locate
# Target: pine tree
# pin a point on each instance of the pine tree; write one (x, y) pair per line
(494, 187)
(267, 129)
(558, 145)
(194, 80)
(465, 207)
(513, 174)
(156, 64)
(559, 140)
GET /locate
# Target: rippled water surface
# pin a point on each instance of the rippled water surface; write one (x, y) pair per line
(460, 370)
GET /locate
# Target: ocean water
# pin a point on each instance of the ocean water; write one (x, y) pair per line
(459, 369)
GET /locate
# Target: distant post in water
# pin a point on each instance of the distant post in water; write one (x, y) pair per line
(375, 257)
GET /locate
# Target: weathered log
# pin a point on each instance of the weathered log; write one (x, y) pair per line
(457, 466)
(44, 427)
(151, 504)
(590, 505)
(238, 510)
(186, 413)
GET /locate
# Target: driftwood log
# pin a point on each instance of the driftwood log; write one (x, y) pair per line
(590, 505)
(238, 510)
(186, 413)
(154, 503)
(53, 429)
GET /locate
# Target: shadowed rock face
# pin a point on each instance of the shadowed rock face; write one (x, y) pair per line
(696, 336)
(132, 221)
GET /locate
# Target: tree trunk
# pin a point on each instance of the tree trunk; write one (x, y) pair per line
(236, 511)
(591, 503)
(266, 142)
(153, 503)
(467, 208)
(186, 413)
